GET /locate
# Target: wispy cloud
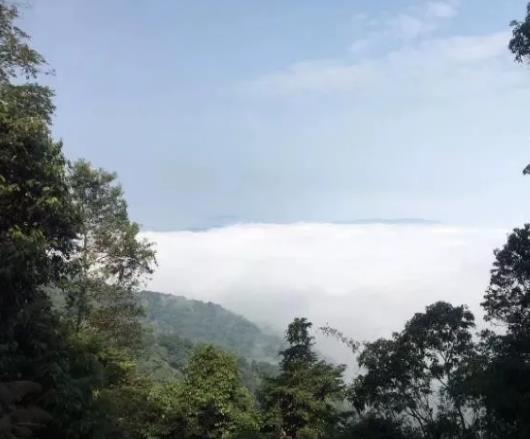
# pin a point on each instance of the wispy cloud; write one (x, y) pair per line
(463, 61)
(310, 76)
(441, 9)
(420, 19)
(408, 26)
(391, 48)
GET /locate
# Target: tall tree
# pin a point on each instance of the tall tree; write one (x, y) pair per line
(37, 222)
(209, 403)
(37, 225)
(418, 377)
(507, 299)
(302, 400)
(507, 302)
(216, 403)
(110, 258)
(102, 308)
(520, 47)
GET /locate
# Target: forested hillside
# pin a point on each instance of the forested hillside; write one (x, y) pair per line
(85, 353)
(201, 322)
(176, 326)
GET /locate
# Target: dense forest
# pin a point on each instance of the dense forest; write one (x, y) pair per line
(202, 322)
(85, 353)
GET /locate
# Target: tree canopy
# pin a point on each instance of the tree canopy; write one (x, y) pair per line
(520, 42)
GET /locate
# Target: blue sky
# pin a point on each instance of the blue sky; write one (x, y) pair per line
(220, 112)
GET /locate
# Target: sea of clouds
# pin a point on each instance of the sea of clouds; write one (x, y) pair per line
(364, 279)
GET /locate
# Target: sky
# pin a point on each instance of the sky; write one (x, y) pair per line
(214, 113)
(253, 139)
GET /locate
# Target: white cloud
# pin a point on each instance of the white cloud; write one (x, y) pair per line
(452, 64)
(409, 27)
(418, 20)
(364, 279)
(312, 76)
(396, 51)
(421, 19)
(441, 9)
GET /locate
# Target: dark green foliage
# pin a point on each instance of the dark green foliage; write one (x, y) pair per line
(37, 225)
(520, 42)
(419, 376)
(216, 403)
(178, 350)
(301, 402)
(36, 220)
(504, 386)
(210, 402)
(110, 259)
(507, 299)
(520, 47)
(17, 58)
(19, 416)
(101, 308)
(179, 325)
(372, 427)
(202, 322)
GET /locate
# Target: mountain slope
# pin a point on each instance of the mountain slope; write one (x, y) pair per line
(201, 322)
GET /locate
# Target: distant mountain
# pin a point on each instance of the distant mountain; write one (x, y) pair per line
(391, 221)
(206, 322)
(359, 221)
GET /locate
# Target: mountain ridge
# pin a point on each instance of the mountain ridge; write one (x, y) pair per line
(203, 322)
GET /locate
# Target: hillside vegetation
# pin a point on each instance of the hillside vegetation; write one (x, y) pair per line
(206, 322)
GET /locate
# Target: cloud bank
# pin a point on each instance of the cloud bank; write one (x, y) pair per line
(365, 279)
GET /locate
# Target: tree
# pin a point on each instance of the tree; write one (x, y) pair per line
(216, 403)
(19, 416)
(520, 47)
(419, 376)
(110, 259)
(37, 225)
(101, 317)
(302, 400)
(209, 403)
(37, 222)
(507, 299)
(507, 302)
(520, 42)
(17, 58)
(372, 427)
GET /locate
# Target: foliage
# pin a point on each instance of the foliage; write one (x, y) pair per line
(507, 301)
(37, 225)
(19, 416)
(520, 42)
(301, 400)
(419, 375)
(216, 403)
(209, 323)
(210, 402)
(17, 58)
(110, 259)
(372, 427)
